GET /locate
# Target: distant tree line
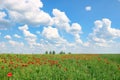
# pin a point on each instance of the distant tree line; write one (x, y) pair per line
(53, 52)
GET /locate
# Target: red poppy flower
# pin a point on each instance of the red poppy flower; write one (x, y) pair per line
(9, 74)
(2, 67)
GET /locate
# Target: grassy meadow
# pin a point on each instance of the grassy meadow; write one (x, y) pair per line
(60, 67)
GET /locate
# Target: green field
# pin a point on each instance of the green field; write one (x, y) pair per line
(60, 67)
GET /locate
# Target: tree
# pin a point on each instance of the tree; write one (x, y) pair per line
(46, 52)
(53, 52)
(62, 52)
(69, 53)
(50, 52)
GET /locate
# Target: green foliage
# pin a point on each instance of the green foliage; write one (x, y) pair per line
(59, 67)
(50, 52)
(46, 52)
(69, 53)
(62, 52)
(53, 52)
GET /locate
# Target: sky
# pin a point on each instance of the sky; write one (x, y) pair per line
(77, 26)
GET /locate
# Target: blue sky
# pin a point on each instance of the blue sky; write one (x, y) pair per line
(78, 26)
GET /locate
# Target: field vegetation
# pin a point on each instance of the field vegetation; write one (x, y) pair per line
(59, 66)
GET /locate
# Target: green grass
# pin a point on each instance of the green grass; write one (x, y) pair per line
(60, 67)
(113, 57)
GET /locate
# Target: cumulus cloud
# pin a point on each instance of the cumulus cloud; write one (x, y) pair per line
(26, 12)
(75, 30)
(8, 37)
(103, 34)
(2, 44)
(51, 39)
(22, 5)
(29, 37)
(61, 21)
(50, 33)
(2, 15)
(60, 16)
(26, 32)
(54, 40)
(29, 12)
(15, 43)
(88, 8)
(4, 23)
(17, 36)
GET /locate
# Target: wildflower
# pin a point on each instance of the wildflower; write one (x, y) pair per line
(65, 69)
(9, 74)
(2, 67)
(119, 68)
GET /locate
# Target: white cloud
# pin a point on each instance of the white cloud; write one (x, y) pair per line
(23, 28)
(60, 17)
(2, 44)
(103, 34)
(50, 33)
(4, 23)
(88, 8)
(17, 36)
(77, 39)
(75, 29)
(11, 47)
(2, 15)
(107, 30)
(8, 37)
(22, 5)
(27, 12)
(15, 43)
(26, 32)
(54, 40)
(29, 37)
(61, 21)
